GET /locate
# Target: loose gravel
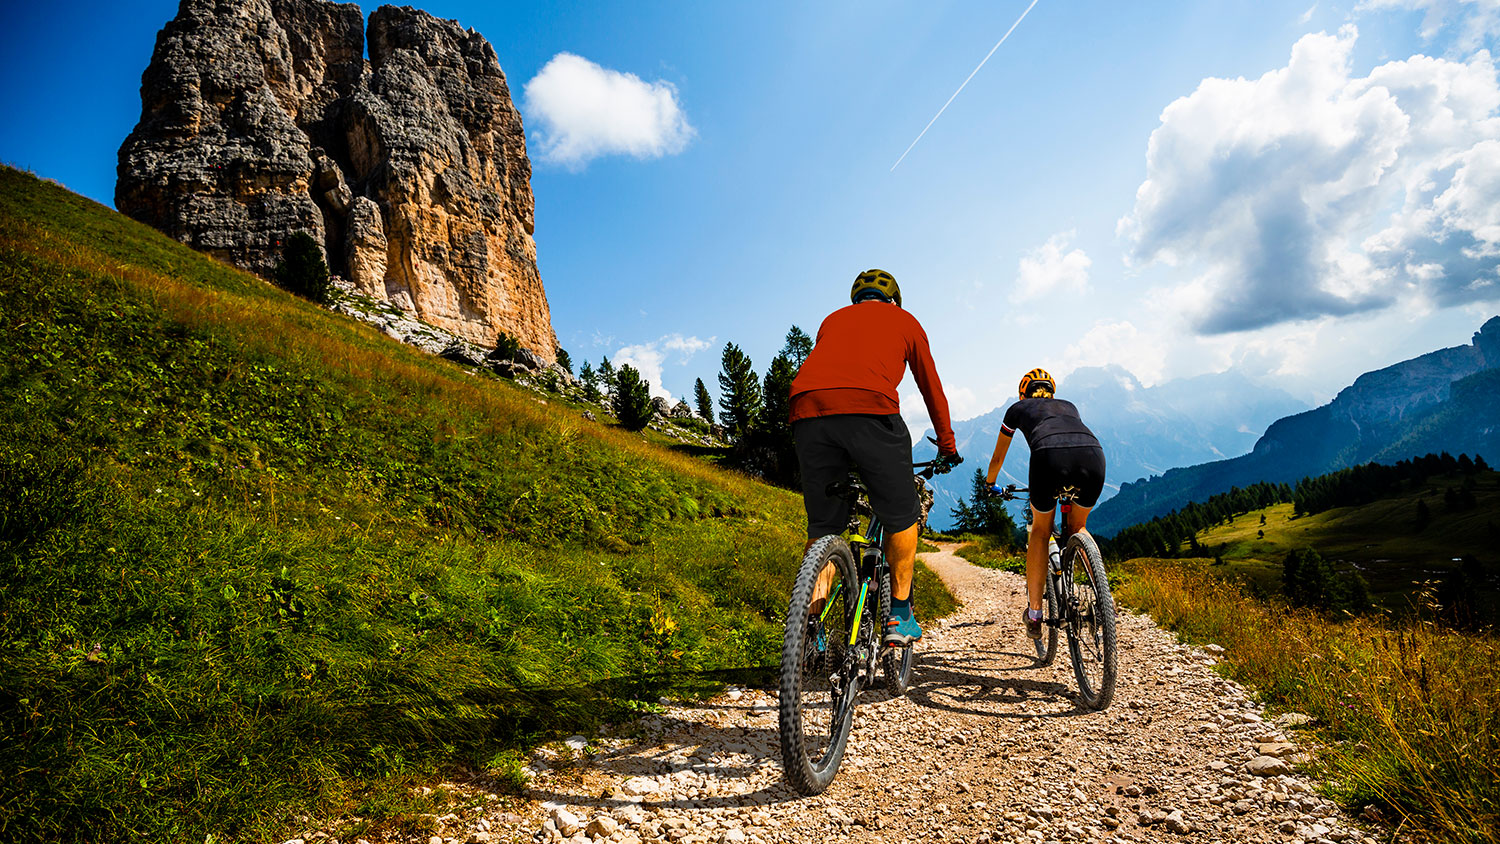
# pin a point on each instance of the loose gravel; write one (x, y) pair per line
(984, 747)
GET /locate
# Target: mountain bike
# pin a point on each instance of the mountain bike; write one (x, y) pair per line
(831, 647)
(1077, 600)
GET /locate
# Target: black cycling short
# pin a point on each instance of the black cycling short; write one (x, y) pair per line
(880, 446)
(1055, 469)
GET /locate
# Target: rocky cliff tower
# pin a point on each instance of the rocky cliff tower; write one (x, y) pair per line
(261, 118)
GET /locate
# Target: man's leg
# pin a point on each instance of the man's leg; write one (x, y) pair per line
(901, 555)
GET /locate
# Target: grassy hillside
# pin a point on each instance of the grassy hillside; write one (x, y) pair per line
(258, 559)
(1384, 540)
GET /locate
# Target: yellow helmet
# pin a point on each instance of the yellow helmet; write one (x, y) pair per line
(1037, 382)
(880, 281)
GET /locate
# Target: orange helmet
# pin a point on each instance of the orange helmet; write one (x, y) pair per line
(1037, 383)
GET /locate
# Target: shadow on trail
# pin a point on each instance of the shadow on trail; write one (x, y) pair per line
(977, 683)
(753, 742)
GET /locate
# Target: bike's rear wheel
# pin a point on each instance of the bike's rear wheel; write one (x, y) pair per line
(819, 672)
(1091, 629)
(896, 663)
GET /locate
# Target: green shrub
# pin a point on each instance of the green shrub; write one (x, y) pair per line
(302, 269)
(506, 348)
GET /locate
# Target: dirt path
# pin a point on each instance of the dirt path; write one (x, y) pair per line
(984, 747)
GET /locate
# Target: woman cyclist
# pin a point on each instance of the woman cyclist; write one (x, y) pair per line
(1065, 457)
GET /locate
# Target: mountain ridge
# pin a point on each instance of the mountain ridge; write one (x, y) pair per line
(1430, 403)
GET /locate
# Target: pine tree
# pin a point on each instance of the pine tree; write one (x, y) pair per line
(564, 360)
(631, 402)
(1310, 580)
(776, 409)
(704, 401)
(739, 392)
(607, 376)
(963, 517)
(590, 381)
(798, 346)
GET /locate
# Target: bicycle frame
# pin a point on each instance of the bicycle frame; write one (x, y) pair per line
(1060, 534)
(869, 546)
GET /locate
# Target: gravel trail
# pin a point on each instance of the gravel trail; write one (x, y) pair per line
(985, 747)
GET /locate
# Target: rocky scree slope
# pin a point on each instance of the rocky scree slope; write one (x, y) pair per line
(261, 118)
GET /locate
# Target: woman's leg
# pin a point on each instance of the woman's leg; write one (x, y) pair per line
(1036, 556)
(1078, 518)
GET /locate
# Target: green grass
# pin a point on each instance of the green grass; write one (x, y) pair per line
(992, 553)
(1407, 712)
(258, 560)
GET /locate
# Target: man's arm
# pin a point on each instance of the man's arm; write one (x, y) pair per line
(919, 357)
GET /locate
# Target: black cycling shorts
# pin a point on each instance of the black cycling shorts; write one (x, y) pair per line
(1055, 469)
(880, 446)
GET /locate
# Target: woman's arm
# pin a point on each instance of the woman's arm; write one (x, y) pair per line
(1002, 445)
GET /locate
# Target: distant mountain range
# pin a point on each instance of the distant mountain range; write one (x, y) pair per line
(1145, 430)
(1448, 400)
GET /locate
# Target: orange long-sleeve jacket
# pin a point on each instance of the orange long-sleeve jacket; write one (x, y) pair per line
(859, 359)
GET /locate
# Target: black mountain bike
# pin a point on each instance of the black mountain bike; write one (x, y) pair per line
(1077, 599)
(832, 643)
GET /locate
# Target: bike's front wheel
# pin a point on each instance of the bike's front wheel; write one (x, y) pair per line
(819, 668)
(1091, 624)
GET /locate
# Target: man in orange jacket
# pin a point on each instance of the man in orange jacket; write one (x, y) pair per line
(845, 410)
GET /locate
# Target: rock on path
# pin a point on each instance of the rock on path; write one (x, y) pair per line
(984, 747)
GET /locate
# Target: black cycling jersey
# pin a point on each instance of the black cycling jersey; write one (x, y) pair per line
(1047, 423)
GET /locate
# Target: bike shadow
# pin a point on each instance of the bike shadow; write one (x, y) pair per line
(986, 683)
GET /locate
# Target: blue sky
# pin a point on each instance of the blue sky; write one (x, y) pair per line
(1303, 191)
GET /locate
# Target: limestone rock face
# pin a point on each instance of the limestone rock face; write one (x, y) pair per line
(261, 118)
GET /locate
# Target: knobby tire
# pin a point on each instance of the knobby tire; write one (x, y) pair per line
(1091, 629)
(816, 693)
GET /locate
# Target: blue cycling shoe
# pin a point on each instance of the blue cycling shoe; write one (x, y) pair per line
(901, 629)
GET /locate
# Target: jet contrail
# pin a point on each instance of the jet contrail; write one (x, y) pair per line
(966, 82)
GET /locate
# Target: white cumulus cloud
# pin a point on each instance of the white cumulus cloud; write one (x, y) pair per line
(1311, 192)
(581, 111)
(650, 359)
(1052, 268)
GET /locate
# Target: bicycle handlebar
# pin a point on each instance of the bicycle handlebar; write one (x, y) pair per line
(940, 465)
